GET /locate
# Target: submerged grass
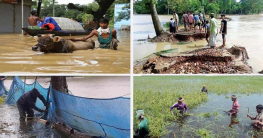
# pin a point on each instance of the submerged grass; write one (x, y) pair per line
(2, 100)
(156, 95)
(165, 51)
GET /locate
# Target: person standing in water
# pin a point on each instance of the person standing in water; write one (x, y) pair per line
(204, 89)
(235, 106)
(213, 31)
(27, 102)
(33, 19)
(107, 37)
(180, 106)
(143, 127)
(223, 29)
(258, 123)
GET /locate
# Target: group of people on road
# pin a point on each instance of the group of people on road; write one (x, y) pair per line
(210, 27)
(191, 20)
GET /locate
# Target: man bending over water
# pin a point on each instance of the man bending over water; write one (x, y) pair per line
(32, 20)
(258, 123)
(143, 127)
(26, 104)
(107, 37)
(180, 106)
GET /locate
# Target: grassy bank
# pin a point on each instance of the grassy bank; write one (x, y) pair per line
(157, 94)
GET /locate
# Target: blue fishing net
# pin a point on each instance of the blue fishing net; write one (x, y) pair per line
(3, 91)
(95, 117)
(18, 88)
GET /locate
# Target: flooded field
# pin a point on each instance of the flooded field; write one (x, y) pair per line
(16, 56)
(92, 87)
(242, 31)
(210, 120)
(206, 115)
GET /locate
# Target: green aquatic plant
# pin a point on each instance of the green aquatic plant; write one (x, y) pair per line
(215, 113)
(204, 133)
(2, 100)
(227, 97)
(166, 51)
(205, 114)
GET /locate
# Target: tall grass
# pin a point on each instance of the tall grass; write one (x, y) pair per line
(156, 95)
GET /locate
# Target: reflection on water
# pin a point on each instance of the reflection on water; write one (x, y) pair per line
(16, 56)
(243, 30)
(218, 124)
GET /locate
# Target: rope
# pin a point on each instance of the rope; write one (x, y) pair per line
(25, 85)
(35, 82)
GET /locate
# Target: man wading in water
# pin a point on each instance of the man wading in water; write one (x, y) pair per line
(235, 106)
(107, 37)
(143, 127)
(26, 104)
(204, 89)
(33, 21)
(180, 106)
(258, 123)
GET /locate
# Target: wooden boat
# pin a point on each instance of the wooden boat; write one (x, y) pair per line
(33, 32)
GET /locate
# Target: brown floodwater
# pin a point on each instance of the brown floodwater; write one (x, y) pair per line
(16, 56)
(243, 30)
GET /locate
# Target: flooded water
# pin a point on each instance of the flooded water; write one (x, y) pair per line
(218, 123)
(16, 56)
(11, 127)
(243, 30)
(92, 87)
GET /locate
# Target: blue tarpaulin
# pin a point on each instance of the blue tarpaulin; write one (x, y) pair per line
(95, 117)
(50, 20)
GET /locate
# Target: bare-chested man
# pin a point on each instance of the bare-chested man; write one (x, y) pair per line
(32, 20)
(107, 37)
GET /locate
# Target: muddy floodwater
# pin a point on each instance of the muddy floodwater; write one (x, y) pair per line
(243, 30)
(92, 87)
(209, 118)
(16, 56)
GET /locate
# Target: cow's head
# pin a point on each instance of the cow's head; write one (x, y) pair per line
(45, 43)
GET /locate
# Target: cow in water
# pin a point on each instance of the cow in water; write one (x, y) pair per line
(49, 44)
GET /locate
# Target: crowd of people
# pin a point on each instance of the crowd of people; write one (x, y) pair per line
(192, 20)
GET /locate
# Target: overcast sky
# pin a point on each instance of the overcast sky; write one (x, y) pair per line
(74, 1)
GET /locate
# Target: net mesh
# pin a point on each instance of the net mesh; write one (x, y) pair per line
(2, 88)
(95, 117)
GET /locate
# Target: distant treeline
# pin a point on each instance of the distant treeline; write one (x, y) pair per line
(209, 6)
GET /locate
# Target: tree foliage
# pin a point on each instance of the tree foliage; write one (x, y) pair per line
(210, 6)
(80, 12)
